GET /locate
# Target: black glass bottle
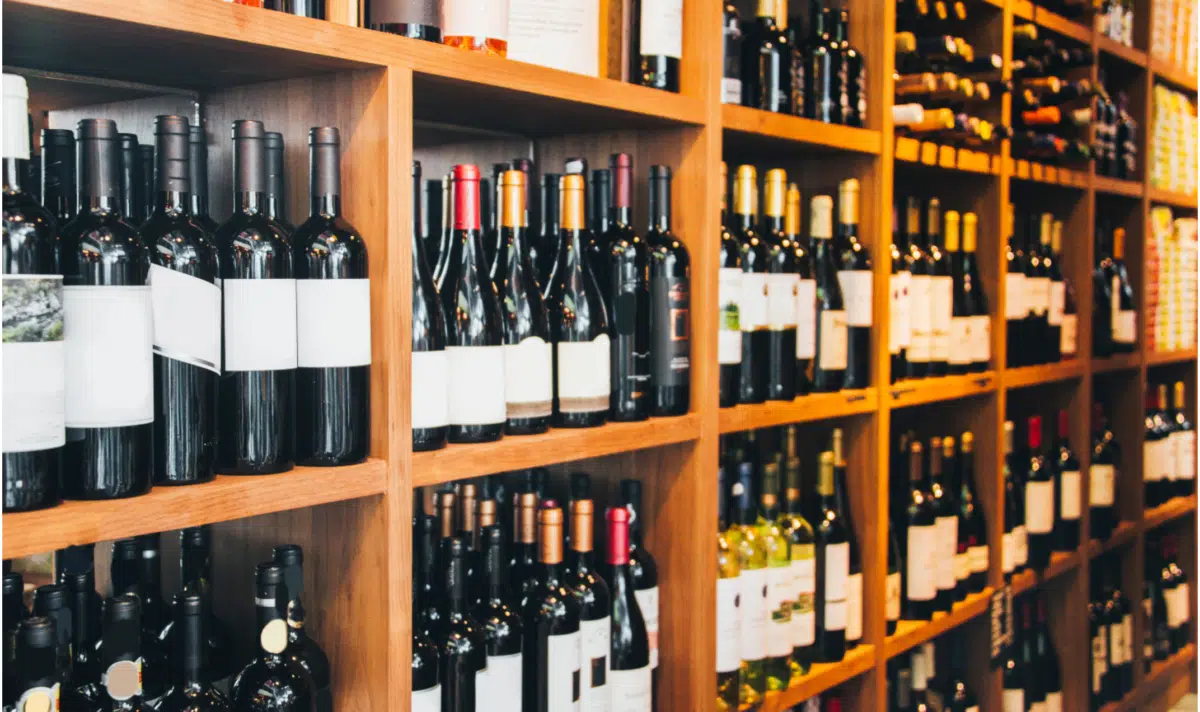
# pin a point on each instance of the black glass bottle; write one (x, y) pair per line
(85, 605)
(275, 206)
(59, 185)
(552, 640)
(198, 177)
(782, 286)
(120, 656)
(191, 687)
(462, 646)
(670, 304)
(195, 574)
(497, 611)
(833, 568)
(752, 304)
(130, 172)
(855, 279)
(766, 63)
(273, 681)
(729, 289)
(430, 364)
(301, 648)
(52, 601)
(829, 366)
(630, 652)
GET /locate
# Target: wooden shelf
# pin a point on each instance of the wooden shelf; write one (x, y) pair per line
(1122, 535)
(1159, 673)
(1170, 197)
(936, 390)
(1060, 25)
(1020, 169)
(1171, 74)
(1159, 358)
(769, 130)
(806, 409)
(1060, 563)
(933, 155)
(1133, 56)
(910, 634)
(224, 499)
(1165, 513)
(1117, 186)
(457, 462)
(1046, 373)
(822, 677)
(1121, 362)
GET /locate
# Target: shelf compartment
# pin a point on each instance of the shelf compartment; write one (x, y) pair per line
(558, 445)
(1046, 373)
(910, 634)
(1122, 362)
(1171, 74)
(1159, 358)
(1151, 683)
(927, 153)
(1122, 535)
(224, 499)
(1172, 198)
(1117, 186)
(765, 128)
(805, 409)
(1060, 563)
(822, 677)
(1021, 169)
(1060, 25)
(1165, 513)
(937, 390)
(1133, 56)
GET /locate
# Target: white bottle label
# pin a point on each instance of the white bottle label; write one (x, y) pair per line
(858, 296)
(754, 614)
(1021, 543)
(1101, 491)
(1014, 296)
(981, 339)
(462, 18)
(729, 336)
(1117, 646)
(1008, 552)
(833, 341)
(1185, 455)
(729, 623)
(1070, 495)
(961, 351)
(837, 571)
(499, 687)
(921, 313)
(34, 363)
(919, 563)
(804, 615)
(584, 385)
(631, 690)
(806, 319)
(1152, 467)
(662, 28)
(647, 599)
(1058, 303)
(1099, 657)
(892, 597)
(781, 301)
(109, 356)
(1054, 702)
(942, 306)
(260, 324)
(1039, 507)
(731, 90)
(1127, 625)
(1039, 295)
(753, 313)
(427, 700)
(947, 544)
(594, 664)
(779, 611)
(900, 333)
(476, 385)
(430, 389)
(962, 567)
(333, 325)
(187, 318)
(977, 559)
(1069, 341)
(854, 606)
(1125, 327)
(528, 378)
(1014, 701)
(563, 677)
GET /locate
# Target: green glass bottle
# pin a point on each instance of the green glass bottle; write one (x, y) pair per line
(752, 561)
(802, 550)
(728, 588)
(779, 591)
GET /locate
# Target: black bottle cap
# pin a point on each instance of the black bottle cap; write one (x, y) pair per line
(249, 157)
(49, 598)
(416, 170)
(172, 134)
(325, 171)
(188, 604)
(195, 538)
(198, 161)
(123, 609)
(13, 583)
(289, 555)
(148, 542)
(74, 559)
(189, 640)
(78, 581)
(631, 492)
(37, 632)
(58, 163)
(122, 629)
(98, 173)
(268, 573)
(660, 173)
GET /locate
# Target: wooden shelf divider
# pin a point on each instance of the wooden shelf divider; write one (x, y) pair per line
(910, 634)
(1169, 512)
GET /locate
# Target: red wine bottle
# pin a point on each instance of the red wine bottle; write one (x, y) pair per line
(1039, 498)
(430, 363)
(670, 304)
(552, 645)
(301, 648)
(657, 43)
(191, 683)
(595, 608)
(273, 679)
(630, 679)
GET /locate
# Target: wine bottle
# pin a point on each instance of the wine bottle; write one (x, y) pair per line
(129, 175)
(34, 378)
(855, 279)
(51, 602)
(962, 311)
(1184, 439)
(301, 648)
(198, 177)
(552, 646)
(1037, 289)
(643, 568)
(899, 311)
(524, 560)
(120, 656)
(802, 552)
(462, 655)
(972, 527)
(578, 322)
(1014, 673)
(426, 615)
(130, 574)
(728, 615)
(656, 43)
(1181, 631)
(275, 206)
(1102, 518)
(59, 185)
(920, 292)
(195, 574)
(920, 574)
(833, 570)
(417, 19)
(854, 580)
(981, 319)
(731, 78)
(780, 593)
(186, 304)
(670, 304)
(14, 613)
(256, 424)
(146, 189)
(527, 362)
(1068, 489)
(631, 674)
(1098, 624)
(426, 689)
(475, 346)
(894, 583)
(273, 679)
(942, 497)
(497, 615)
(1124, 315)
(752, 562)
(440, 255)
(852, 67)
(829, 366)
(85, 607)
(1035, 689)
(1058, 293)
(1040, 516)
(595, 610)
(37, 678)
(753, 304)
(824, 88)
(1156, 452)
(543, 251)
(729, 298)
(430, 367)
(1123, 607)
(782, 289)
(806, 293)
(766, 63)
(1013, 539)
(941, 290)
(191, 687)
(1015, 290)
(621, 264)
(475, 27)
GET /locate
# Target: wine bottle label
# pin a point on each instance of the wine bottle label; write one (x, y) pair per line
(837, 571)
(1070, 499)
(498, 687)
(1015, 308)
(528, 379)
(427, 700)
(476, 385)
(942, 306)
(468, 18)
(1014, 701)
(981, 339)
(1127, 626)
(34, 354)
(1101, 491)
(187, 318)
(123, 679)
(731, 90)
(833, 345)
(781, 301)
(921, 315)
(1037, 707)
(779, 612)
(859, 296)
(729, 337)
(1039, 507)
(900, 324)
(1116, 653)
(892, 596)
(670, 327)
(39, 699)
(661, 28)
(1185, 455)
(260, 324)
(753, 644)
(1099, 658)
(1125, 327)
(1054, 702)
(1008, 552)
(597, 642)
(1058, 303)
(1069, 339)
(806, 319)
(584, 384)
(109, 356)
(752, 315)
(647, 599)
(804, 612)
(962, 567)
(919, 563)
(1152, 460)
(335, 331)
(1021, 544)
(854, 606)
(1037, 295)
(977, 557)
(729, 623)
(430, 389)
(563, 677)
(632, 690)
(961, 352)
(947, 545)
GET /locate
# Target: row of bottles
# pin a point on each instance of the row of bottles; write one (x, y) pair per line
(586, 323)
(1040, 310)
(1168, 448)
(1031, 670)
(1114, 313)
(932, 677)
(1110, 632)
(796, 311)
(133, 651)
(167, 353)
(790, 586)
(940, 324)
(502, 614)
(1166, 601)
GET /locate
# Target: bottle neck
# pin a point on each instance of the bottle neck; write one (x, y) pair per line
(190, 669)
(101, 205)
(660, 204)
(12, 175)
(329, 205)
(582, 562)
(251, 203)
(621, 215)
(172, 202)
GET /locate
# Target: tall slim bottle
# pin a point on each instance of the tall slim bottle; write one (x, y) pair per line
(497, 615)
(729, 298)
(121, 687)
(631, 677)
(962, 314)
(256, 426)
(462, 657)
(806, 293)
(272, 680)
(656, 44)
(752, 305)
(920, 350)
(942, 495)
(899, 309)
(766, 63)
(129, 170)
(191, 683)
(430, 363)
(941, 290)
(1184, 439)
(981, 319)
(780, 592)
(552, 643)
(972, 527)
(1057, 296)
(802, 552)
(728, 618)
(146, 158)
(833, 569)
(1124, 314)
(782, 287)
(1039, 498)
(543, 251)
(670, 304)
(595, 611)
(854, 579)
(856, 280)
(829, 367)
(301, 648)
(110, 431)
(644, 569)
(920, 580)
(1014, 293)
(752, 563)
(1068, 487)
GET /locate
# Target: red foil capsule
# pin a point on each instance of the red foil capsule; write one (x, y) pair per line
(466, 197)
(618, 535)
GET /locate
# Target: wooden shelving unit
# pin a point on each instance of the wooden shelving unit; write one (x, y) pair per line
(397, 100)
